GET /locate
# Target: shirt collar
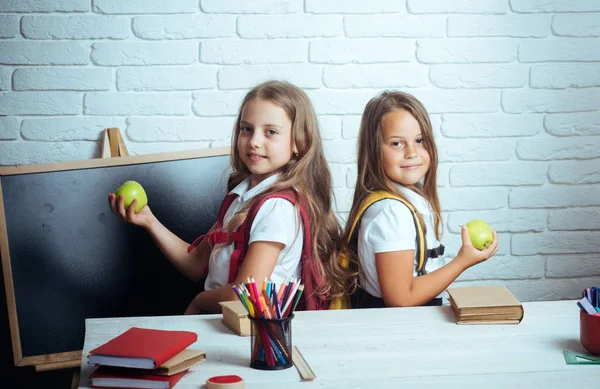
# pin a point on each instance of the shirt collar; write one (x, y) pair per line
(416, 199)
(243, 188)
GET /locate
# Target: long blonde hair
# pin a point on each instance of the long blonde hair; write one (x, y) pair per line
(371, 175)
(307, 172)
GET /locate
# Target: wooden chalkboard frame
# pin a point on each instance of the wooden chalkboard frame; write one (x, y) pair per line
(71, 358)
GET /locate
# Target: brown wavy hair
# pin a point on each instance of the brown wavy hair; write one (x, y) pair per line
(371, 175)
(307, 173)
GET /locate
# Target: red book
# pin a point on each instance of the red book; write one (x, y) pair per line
(142, 348)
(116, 377)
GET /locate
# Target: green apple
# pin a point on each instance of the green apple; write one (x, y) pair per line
(132, 190)
(480, 234)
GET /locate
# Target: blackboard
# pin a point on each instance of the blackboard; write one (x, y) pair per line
(66, 257)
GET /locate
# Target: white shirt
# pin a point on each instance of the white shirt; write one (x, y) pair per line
(276, 221)
(388, 225)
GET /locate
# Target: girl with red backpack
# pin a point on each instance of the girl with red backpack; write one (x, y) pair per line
(277, 221)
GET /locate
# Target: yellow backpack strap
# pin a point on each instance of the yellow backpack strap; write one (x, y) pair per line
(380, 195)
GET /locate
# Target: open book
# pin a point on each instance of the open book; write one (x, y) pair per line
(485, 305)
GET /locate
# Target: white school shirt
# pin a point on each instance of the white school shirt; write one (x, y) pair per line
(276, 221)
(388, 225)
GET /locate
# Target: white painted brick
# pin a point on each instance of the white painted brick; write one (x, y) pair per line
(436, 124)
(578, 172)
(334, 102)
(40, 103)
(502, 220)
(251, 7)
(9, 128)
(466, 50)
(351, 126)
(371, 50)
(9, 26)
(457, 6)
(565, 76)
(184, 26)
(166, 78)
(472, 150)
(351, 176)
(463, 101)
(354, 7)
(573, 266)
(453, 243)
(521, 26)
(45, 6)
(145, 6)
(587, 123)
(443, 174)
(479, 76)
(506, 267)
(217, 103)
(243, 51)
(563, 242)
(473, 199)
(549, 149)
(538, 6)
(245, 77)
(561, 49)
(408, 26)
(290, 26)
(44, 53)
(568, 100)
(341, 151)
(5, 77)
(342, 199)
(375, 76)
(126, 104)
(147, 53)
(142, 148)
(68, 129)
(574, 219)
(76, 27)
(338, 174)
(490, 126)
(576, 25)
(550, 289)
(496, 174)
(21, 153)
(180, 129)
(331, 127)
(555, 196)
(55, 78)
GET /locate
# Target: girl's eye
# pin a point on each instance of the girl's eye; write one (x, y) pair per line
(271, 132)
(245, 129)
(397, 143)
(420, 141)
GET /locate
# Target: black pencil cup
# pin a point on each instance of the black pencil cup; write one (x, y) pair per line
(271, 343)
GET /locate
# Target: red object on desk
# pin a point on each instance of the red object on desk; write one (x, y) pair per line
(142, 348)
(589, 332)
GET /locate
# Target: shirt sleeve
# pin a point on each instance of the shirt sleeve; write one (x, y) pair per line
(277, 220)
(390, 226)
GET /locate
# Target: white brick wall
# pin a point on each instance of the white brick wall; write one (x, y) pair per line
(513, 88)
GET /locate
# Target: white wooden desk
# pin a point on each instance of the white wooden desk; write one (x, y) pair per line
(388, 348)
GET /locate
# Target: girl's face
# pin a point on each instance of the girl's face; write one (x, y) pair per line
(265, 142)
(405, 158)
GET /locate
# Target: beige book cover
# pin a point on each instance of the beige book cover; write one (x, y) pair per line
(476, 302)
(180, 362)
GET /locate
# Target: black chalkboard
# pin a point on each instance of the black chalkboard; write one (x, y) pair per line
(66, 257)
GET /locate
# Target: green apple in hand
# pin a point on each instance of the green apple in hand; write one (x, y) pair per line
(480, 233)
(132, 190)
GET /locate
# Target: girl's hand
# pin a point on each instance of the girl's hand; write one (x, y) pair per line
(469, 255)
(142, 219)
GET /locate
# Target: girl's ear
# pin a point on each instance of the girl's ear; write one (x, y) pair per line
(294, 150)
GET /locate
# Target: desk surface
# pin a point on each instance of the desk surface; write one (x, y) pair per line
(388, 348)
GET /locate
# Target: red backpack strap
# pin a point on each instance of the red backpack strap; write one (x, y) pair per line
(217, 235)
(310, 274)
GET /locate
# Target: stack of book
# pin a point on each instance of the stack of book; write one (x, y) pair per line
(485, 305)
(144, 358)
